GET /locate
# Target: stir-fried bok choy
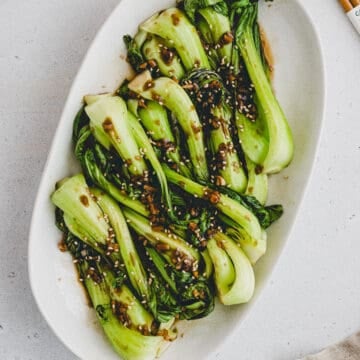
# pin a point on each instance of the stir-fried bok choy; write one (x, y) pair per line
(169, 211)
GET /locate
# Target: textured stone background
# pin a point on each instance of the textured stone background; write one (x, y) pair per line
(313, 298)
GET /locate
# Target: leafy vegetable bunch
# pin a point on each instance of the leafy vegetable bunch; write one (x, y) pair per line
(169, 210)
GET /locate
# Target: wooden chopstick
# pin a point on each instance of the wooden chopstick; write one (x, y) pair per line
(352, 9)
(347, 5)
(355, 3)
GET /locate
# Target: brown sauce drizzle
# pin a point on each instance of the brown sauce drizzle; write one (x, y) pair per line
(62, 244)
(175, 19)
(84, 200)
(268, 53)
(108, 125)
(167, 55)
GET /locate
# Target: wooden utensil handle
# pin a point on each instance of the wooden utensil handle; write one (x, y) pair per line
(347, 5)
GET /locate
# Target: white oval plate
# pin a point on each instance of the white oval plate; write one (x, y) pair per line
(299, 84)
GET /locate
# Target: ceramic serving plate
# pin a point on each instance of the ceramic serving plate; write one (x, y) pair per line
(299, 84)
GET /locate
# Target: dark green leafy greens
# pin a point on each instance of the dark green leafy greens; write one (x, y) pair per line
(192, 6)
(266, 215)
(134, 55)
